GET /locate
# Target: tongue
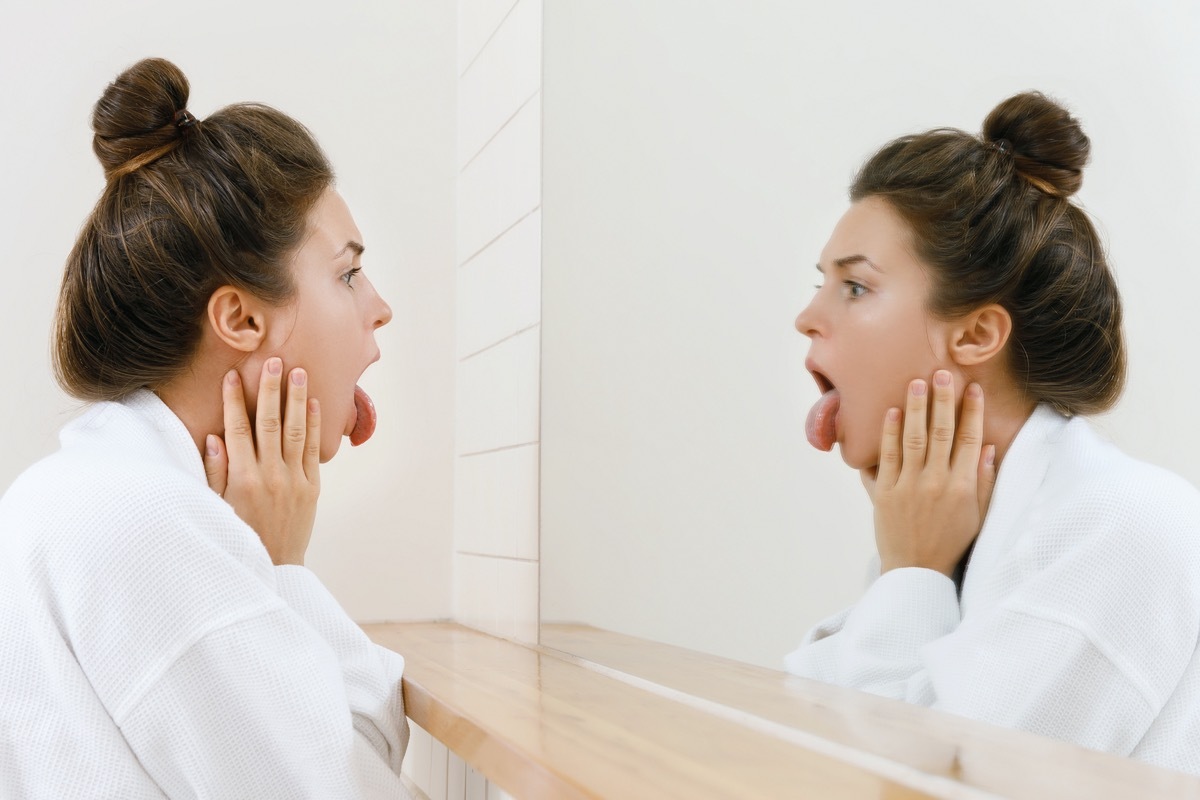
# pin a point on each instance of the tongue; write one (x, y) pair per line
(364, 425)
(821, 426)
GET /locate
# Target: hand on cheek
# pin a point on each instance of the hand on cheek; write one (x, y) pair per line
(934, 481)
(270, 473)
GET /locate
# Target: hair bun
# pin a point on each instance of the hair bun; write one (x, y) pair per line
(1049, 146)
(136, 113)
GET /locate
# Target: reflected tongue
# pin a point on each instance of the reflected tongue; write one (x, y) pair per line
(821, 426)
(364, 425)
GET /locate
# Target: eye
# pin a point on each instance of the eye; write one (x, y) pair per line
(854, 290)
(348, 276)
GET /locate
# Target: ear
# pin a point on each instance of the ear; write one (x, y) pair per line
(237, 318)
(980, 336)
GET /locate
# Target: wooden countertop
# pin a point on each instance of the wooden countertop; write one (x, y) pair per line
(663, 722)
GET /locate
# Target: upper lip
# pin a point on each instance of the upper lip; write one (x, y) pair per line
(823, 381)
(374, 358)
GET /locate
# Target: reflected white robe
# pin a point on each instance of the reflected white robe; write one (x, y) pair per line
(150, 648)
(1079, 615)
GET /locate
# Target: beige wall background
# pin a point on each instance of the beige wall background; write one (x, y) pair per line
(696, 157)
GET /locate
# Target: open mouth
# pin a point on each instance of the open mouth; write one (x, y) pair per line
(365, 416)
(821, 425)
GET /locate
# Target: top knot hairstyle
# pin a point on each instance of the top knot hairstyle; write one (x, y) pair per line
(992, 218)
(189, 206)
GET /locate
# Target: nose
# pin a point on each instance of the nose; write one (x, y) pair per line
(380, 313)
(807, 320)
(383, 314)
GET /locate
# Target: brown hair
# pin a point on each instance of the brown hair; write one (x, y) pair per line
(188, 207)
(992, 218)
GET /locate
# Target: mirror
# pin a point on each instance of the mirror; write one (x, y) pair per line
(696, 157)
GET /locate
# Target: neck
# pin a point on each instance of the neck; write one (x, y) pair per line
(1005, 412)
(198, 406)
(195, 396)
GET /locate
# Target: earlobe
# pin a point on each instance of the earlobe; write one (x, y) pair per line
(981, 335)
(237, 318)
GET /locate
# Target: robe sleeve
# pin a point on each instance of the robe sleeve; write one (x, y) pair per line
(371, 673)
(257, 708)
(1088, 641)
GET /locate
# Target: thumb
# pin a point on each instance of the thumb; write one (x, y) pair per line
(987, 478)
(216, 464)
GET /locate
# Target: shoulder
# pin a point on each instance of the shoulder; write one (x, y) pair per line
(93, 486)
(1110, 547)
(1091, 469)
(115, 492)
(1099, 505)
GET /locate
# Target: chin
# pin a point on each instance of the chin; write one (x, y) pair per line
(857, 460)
(329, 451)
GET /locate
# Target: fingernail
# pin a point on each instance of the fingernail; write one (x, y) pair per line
(941, 377)
(918, 388)
(232, 377)
(893, 414)
(275, 366)
(313, 406)
(974, 390)
(210, 446)
(298, 377)
(989, 457)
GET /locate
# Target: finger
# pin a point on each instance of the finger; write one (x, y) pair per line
(890, 458)
(914, 428)
(295, 421)
(869, 477)
(267, 425)
(216, 464)
(987, 479)
(239, 438)
(312, 443)
(941, 421)
(969, 441)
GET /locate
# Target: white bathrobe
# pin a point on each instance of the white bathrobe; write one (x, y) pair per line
(150, 649)
(1080, 609)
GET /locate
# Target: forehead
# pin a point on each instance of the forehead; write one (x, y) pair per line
(330, 226)
(871, 228)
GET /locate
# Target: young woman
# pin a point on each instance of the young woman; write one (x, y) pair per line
(1069, 606)
(162, 640)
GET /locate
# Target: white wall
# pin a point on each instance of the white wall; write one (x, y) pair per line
(376, 83)
(696, 156)
(498, 315)
(499, 311)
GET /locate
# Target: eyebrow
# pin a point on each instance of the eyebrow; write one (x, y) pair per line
(846, 261)
(351, 245)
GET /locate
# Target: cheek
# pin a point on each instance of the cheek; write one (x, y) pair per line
(884, 365)
(333, 414)
(862, 428)
(330, 443)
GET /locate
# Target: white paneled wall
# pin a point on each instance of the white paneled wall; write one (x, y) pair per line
(499, 291)
(498, 395)
(498, 331)
(498, 317)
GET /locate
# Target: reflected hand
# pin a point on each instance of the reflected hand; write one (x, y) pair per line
(931, 490)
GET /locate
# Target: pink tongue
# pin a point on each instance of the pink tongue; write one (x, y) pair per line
(821, 426)
(364, 425)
